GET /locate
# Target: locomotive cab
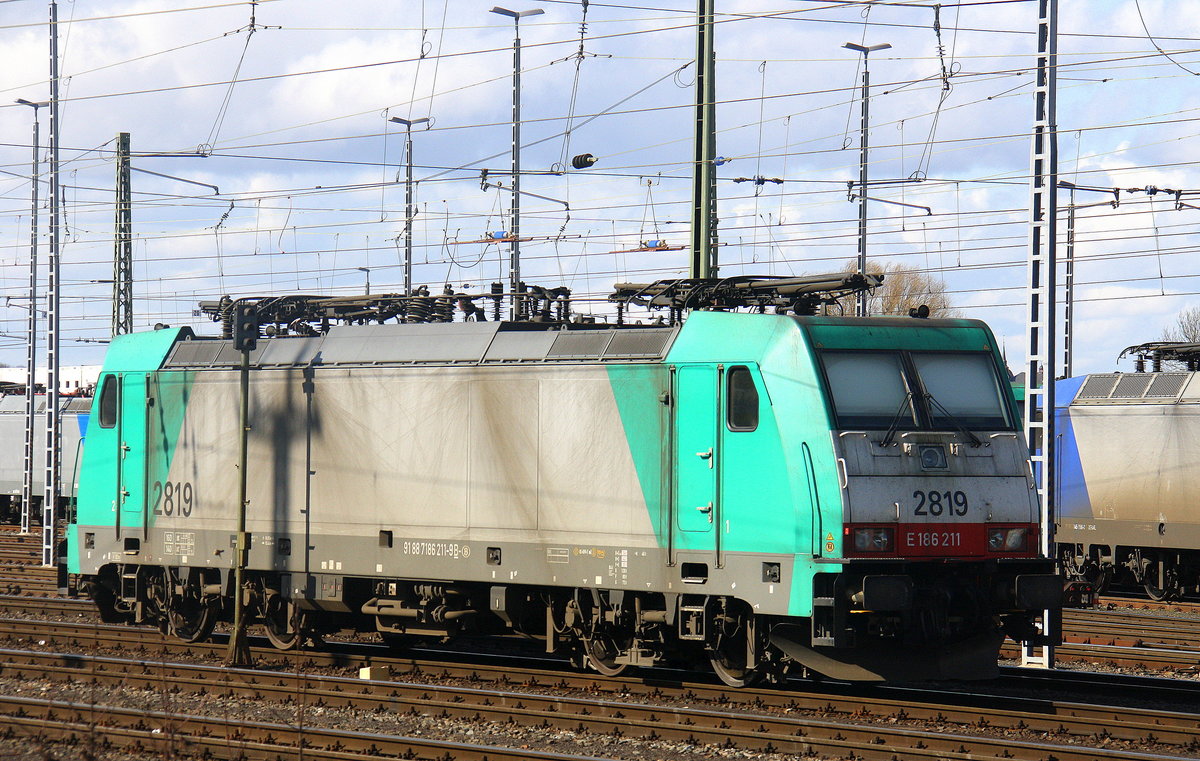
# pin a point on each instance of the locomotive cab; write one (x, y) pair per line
(939, 543)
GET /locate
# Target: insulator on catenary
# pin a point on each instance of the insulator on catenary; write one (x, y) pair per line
(444, 306)
(583, 161)
(419, 307)
(497, 293)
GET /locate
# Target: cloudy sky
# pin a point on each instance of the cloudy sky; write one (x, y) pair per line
(288, 119)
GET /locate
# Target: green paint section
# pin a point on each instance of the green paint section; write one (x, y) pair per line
(898, 332)
(131, 456)
(104, 472)
(141, 352)
(637, 390)
(725, 337)
(697, 411)
(761, 511)
(774, 497)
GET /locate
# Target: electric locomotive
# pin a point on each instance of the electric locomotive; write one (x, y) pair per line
(1128, 474)
(762, 492)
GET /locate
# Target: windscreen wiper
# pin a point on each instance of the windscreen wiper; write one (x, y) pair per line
(975, 442)
(895, 424)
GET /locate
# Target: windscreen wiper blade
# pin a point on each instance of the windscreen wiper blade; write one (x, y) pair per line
(975, 442)
(895, 424)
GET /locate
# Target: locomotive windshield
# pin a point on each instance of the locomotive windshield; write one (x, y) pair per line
(869, 390)
(964, 388)
(915, 390)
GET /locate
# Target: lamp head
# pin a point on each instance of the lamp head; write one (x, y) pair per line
(864, 49)
(517, 14)
(408, 123)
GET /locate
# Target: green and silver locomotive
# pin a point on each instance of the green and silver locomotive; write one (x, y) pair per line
(762, 492)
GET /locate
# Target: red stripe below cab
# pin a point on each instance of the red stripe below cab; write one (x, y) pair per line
(946, 540)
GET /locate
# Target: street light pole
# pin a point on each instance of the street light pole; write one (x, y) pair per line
(367, 270)
(863, 147)
(409, 212)
(31, 349)
(514, 267)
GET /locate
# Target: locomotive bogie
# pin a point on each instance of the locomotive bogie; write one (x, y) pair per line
(706, 493)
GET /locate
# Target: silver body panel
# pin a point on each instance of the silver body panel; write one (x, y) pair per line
(880, 480)
(12, 443)
(1138, 442)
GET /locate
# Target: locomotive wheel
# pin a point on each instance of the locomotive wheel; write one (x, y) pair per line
(731, 668)
(729, 655)
(601, 651)
(190, 619)
(281, 622)
(180, 607)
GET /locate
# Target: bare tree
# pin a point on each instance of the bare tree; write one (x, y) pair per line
(1186, 327)
(906, 288)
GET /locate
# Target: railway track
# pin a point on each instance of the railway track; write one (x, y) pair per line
(886, 725)
(174, 735)
(1112, 638)
(1144, 603)
(1109, 638)
(843, 711)
(21, 569)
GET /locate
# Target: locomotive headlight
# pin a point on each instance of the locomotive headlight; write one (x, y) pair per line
(1007, 539)
(874, 539)
(933, 457)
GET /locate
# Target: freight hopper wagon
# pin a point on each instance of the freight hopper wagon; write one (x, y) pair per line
(1129, 473)
(764, 493)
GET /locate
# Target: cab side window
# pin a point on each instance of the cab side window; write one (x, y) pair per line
(108, 402)
(742, 400)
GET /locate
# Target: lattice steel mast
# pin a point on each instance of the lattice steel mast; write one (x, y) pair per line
(52, 490)
(704, 168)
(1040, 324)
(31, 344)
(123, 244)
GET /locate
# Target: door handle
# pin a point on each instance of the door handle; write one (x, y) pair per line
(707, 510)
(706, 456)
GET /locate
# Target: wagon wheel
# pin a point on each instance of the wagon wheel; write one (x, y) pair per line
(1167, 588)
(1089, 570)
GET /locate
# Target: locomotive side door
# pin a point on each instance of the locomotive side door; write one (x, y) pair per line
(131, 455)
(696, 457)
